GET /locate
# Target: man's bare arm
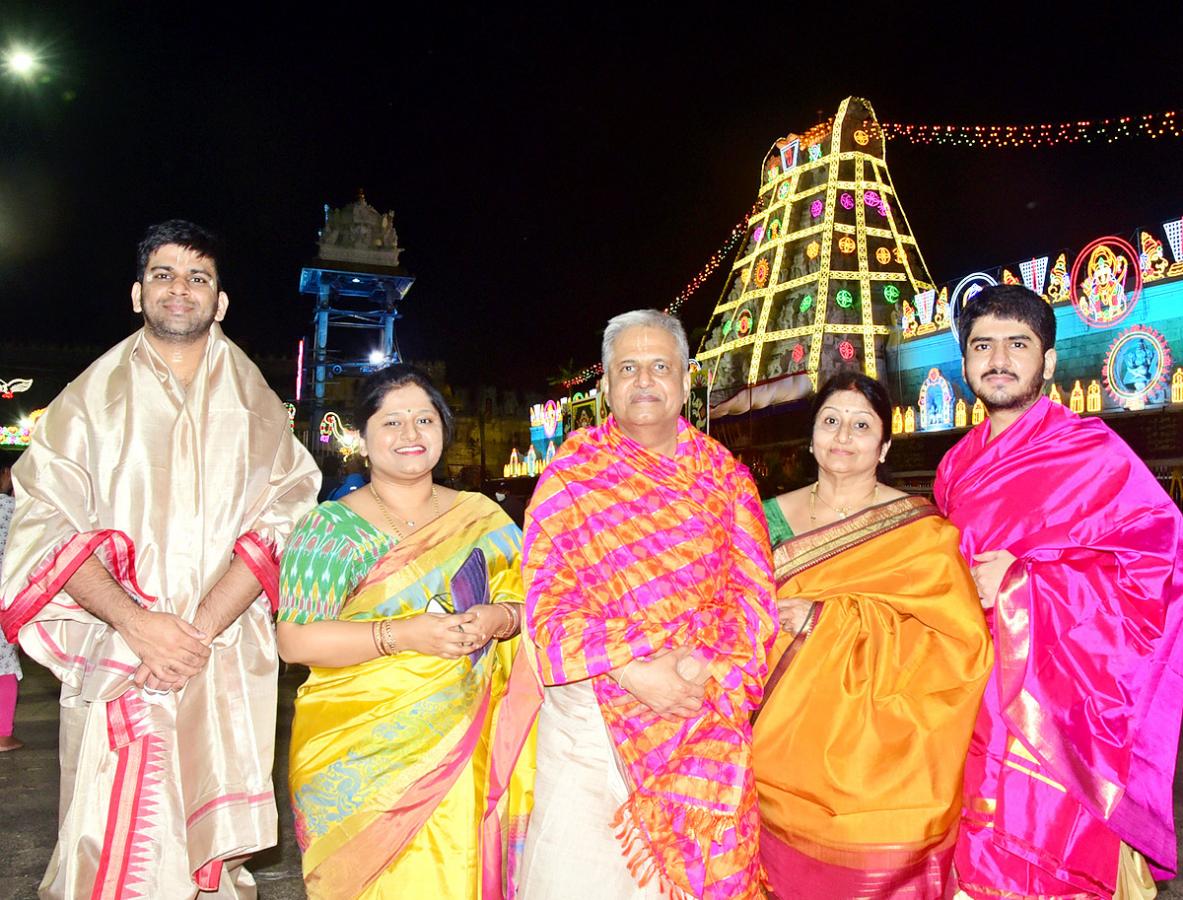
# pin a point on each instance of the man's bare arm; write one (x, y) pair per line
(233, 594)
(168, 646)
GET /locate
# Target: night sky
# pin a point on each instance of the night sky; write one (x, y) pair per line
(547, 170)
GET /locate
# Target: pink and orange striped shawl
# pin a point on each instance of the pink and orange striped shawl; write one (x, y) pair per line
(627, 553)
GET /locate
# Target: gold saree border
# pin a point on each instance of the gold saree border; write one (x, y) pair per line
(813, 547)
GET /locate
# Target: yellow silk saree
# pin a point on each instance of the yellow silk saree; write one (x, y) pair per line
(410, 775)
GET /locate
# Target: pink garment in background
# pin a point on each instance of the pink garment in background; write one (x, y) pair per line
(8, 691)
(1086, 690)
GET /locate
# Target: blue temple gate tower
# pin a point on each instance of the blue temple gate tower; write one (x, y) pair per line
(358, 284)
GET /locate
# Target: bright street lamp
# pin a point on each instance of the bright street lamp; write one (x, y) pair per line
(20, 62)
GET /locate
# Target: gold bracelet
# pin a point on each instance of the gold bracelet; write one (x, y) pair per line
(507, 631)
(386, 634)
(374, 627)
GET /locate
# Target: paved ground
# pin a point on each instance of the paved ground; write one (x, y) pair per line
(29, 784)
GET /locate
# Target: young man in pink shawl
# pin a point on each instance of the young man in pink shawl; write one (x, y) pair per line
(1075, 550)
(150, 509)
(649, 605)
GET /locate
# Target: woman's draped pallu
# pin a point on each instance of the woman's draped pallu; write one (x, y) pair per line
(630, 553)
(410, 774)
(861, 739)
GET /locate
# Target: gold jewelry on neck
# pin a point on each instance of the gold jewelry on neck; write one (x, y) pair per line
(435, 510)
(840, 511)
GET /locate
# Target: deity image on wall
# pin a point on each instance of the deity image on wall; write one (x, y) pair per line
(1103, 290)
(1136, 367)
(936, 402)
(1099, 278)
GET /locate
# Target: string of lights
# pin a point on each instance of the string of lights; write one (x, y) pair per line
(1046, 134)
(716, 259)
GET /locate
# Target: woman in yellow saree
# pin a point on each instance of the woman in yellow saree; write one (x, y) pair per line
(410, 770)
(876, 677)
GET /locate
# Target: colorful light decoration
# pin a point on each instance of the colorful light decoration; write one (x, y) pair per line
(1059, 287)
(20, 434)
(299, 368)
(1100, 298)
(891, 293)
(1047, 134)
(1136, 366)
(815, 152)
(1076, 398)
(1093, 401)
(14, 386)
(1034, 272)
(978, 414)
(291, 408)
(1151, 261)
(348, 440)
(798, 352)
(967, 288)
(744, 322)
(936, 402)
(1174, 232)
(828, 253)
(846, 350)
(882, 256)
(760, 276)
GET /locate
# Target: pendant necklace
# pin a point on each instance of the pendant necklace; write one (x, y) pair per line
(435, 510)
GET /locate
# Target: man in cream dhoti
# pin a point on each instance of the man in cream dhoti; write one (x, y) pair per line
(150, 508)
(650, 608)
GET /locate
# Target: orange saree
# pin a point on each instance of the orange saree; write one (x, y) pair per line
(861, 741)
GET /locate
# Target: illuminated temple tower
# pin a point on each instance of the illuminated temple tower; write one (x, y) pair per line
(829, 269)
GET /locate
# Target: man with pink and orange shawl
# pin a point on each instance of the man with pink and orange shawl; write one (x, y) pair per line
(650, 607)
(150, 509)
(1075, 550)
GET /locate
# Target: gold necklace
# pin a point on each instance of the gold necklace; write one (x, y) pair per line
(435, 510)
(841, 511)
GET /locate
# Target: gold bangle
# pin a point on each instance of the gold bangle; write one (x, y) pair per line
(507, 631)
(386, 636)
(374, 627)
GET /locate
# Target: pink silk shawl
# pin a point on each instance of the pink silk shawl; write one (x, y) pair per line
(1088, 656)
(628, 552)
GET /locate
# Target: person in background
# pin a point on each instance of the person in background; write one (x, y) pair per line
(10, 664)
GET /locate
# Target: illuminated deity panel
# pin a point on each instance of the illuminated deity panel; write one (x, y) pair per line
(1106, 282)
(936, 402)
(1136, 367)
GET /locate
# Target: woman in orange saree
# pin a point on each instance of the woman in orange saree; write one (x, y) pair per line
(876, 678)
(412, 763)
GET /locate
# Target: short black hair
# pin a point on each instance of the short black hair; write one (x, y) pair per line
(1009, 301)
(185, 234)
(851, 380)
(375, 388)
